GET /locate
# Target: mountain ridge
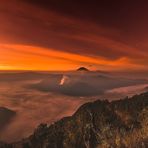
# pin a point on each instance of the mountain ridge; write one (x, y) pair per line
(117, 124)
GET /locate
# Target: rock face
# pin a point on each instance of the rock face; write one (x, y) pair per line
(5, 116)
(99, 124)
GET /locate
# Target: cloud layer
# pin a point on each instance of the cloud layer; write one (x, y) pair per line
(40, 97)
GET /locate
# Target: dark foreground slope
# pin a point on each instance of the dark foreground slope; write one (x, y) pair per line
(5, 116)
(100, 124)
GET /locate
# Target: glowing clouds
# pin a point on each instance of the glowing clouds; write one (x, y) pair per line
(23, 57)
(70, 41)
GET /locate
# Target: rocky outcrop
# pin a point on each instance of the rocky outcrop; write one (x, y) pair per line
(99, 124)
(5, 116)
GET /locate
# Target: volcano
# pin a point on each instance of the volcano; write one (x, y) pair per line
(82, 69)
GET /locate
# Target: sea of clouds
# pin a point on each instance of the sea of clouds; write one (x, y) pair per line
(47, 97)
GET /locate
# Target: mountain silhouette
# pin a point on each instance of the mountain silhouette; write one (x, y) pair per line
(82, 69)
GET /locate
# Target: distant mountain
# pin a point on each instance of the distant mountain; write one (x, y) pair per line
(99, 124)
(5, 116)
(82, 69)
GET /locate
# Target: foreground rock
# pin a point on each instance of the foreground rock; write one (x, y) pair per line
(100, 124)
(5, 116)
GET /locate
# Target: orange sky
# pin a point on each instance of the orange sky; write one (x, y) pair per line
(35, 38)
(22, 57)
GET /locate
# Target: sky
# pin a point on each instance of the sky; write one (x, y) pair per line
(64, 35)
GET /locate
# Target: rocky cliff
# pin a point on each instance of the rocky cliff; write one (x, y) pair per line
(99, 124)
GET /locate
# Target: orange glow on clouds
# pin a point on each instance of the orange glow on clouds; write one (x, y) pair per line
(71, 41)
(23, 57)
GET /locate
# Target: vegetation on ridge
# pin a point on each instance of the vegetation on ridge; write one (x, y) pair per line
(99, 124)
